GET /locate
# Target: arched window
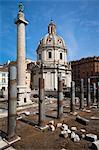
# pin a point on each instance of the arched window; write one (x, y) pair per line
(49, 55)
(60, 55)
(39, 56)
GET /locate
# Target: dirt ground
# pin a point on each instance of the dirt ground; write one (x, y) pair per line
(32, 138)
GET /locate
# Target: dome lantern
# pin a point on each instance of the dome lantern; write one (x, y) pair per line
(52, 28)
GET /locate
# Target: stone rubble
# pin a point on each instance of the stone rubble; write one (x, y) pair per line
(87, 110)
(82, 120)
(94, 118)
(59, 125)
(64, 127)
(64, 134)
(76, 138)
(73, 135)
(95, 145)
(27, 113)
(52, 128)
(73, 128)
(83, 136)
(69, 131)
(83, 130)
(91, 137)
(51, 122)
(66, 131)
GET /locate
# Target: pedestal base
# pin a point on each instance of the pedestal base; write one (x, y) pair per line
(23, 96)
(12, 139)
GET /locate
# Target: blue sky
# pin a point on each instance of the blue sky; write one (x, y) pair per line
(77, 22)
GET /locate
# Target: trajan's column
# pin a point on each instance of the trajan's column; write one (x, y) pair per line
(23, 91)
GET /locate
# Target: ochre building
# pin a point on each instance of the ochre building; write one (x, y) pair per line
(85, 68)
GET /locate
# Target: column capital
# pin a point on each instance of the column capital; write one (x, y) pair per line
(20, 18)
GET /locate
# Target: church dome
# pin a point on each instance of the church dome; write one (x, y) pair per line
(51, 38)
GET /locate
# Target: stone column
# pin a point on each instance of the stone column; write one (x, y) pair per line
(98, 94)
(41, 102)
(60, 98)
(72, 102)
(94, 93)
(12, 102)
(88, 93)
(23, 91)
(82, 94)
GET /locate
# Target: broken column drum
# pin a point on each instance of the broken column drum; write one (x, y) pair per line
(41, 102)
(12, 101)
(88, 93)
(72, 102)
(82, 94)
(60, 98)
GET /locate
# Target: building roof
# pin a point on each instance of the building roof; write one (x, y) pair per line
(87, 59)
(3, 68)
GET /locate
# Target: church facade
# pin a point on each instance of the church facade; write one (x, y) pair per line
(51, 61)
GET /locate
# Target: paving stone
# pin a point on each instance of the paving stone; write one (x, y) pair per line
(2, 144)
(10, 148)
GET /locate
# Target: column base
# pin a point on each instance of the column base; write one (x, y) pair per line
(11, 140)
(23, 96)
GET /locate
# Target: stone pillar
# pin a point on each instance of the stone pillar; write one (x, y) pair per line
(82, 94)
(72, 102)
(88, 93)
(41, 102)
(60, 98)
(94, 93)
(12, 101)
(23, 91)
(98, 94)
